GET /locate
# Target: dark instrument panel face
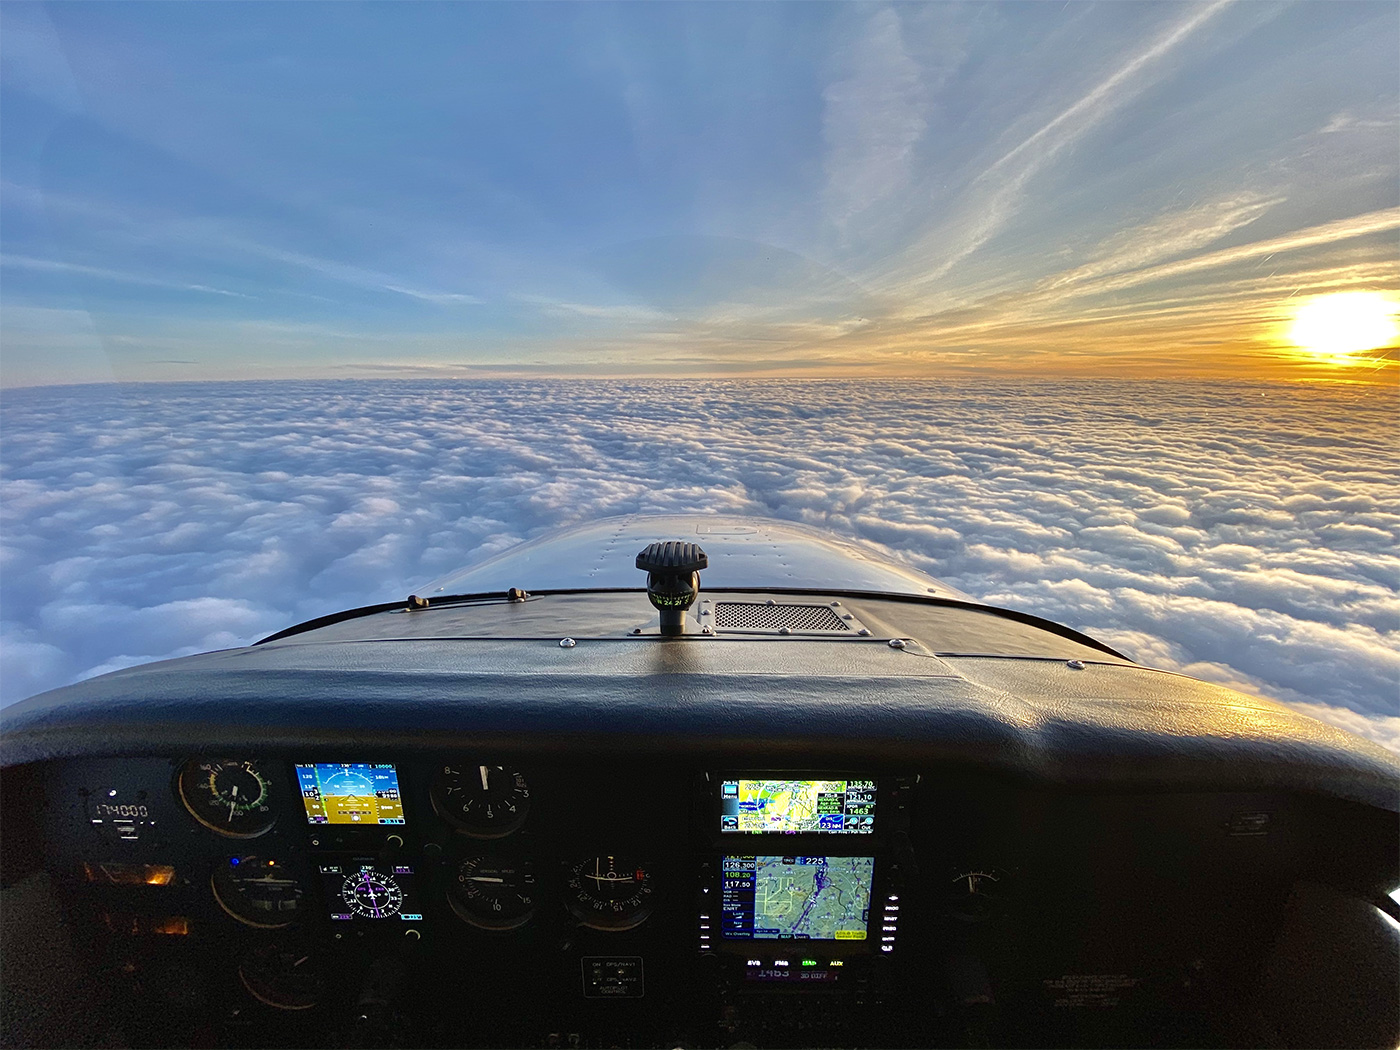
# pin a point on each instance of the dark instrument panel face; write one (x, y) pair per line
(713, 905)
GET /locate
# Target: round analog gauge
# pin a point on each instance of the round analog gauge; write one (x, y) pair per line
(610, 893)
(232, 798)
(372, 894)
(486, 802)
(258, 891)
(282, 976)
(493, 893)
(973, 893)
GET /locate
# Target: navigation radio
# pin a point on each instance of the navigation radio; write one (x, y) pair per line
(802, 885)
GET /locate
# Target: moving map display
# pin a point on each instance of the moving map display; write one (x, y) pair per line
(794, 807)
(796, 898)
(350, 793)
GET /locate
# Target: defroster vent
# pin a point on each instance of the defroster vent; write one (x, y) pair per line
(761, 616)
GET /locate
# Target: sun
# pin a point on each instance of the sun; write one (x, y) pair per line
(1345, 323)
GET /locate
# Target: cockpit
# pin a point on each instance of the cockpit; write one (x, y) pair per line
(583, 795)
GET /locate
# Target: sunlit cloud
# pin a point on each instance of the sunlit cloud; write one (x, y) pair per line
(1244, 533)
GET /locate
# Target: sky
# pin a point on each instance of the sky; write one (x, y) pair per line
(263, 191)
(1244, 533)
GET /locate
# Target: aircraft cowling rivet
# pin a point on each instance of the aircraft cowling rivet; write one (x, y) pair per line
(567, 643)
(1075, 665)
(785, 630)
(836, 605)
(864, 632)
(707, 630)
(636, 630)
(897, 643)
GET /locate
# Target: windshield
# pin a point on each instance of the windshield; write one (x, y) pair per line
(1087, 310)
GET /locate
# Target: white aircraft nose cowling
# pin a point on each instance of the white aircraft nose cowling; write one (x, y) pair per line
(744, 553)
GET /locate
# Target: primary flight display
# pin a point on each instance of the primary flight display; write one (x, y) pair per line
(796, 807)
(796, 898)
(350, 793)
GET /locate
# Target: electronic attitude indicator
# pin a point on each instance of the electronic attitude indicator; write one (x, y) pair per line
(610, 893)
(232, 798)
(350, 793)
(493, 893)
(486, 802)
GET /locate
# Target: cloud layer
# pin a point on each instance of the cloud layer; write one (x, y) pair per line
(1243, 533)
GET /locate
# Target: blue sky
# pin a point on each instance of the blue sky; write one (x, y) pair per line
(196, 191)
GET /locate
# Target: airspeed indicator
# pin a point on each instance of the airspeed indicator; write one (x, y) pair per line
(231, 798)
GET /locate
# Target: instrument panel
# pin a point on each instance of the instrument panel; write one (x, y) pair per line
(519, 900)
(592, 884)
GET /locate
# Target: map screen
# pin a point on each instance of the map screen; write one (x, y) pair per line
(796, 898)
(350, 793)
(792, 807)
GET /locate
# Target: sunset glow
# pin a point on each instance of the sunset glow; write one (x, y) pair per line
(467, 191)
(1345, 323)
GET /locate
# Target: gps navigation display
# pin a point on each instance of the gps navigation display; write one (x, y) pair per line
(794, 807)
(796, 898)
(350, 793)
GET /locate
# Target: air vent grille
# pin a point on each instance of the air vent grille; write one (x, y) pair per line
(760, 616)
